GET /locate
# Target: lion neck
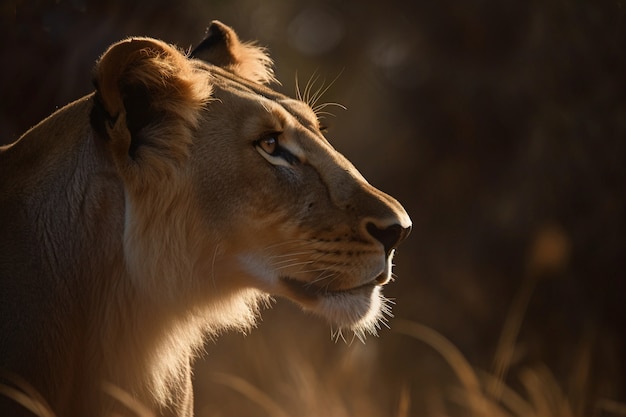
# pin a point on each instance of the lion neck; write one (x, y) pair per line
(139, 318)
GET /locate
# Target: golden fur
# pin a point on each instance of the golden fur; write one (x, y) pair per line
(164, 208)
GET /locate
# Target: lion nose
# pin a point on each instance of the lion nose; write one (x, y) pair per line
(389, 236)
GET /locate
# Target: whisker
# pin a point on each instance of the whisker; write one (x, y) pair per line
(360, 334)
(297, 243)
(294, 254)
(289, 241)
(319, 112)
(322, 277)
(321, 115)
(307, 271)
(213, 266)
(284, 261)
(292, 265)
(322, 90)
(329, 103)
(329, 280)
(298, 93)
(336, 334)
(309, 85)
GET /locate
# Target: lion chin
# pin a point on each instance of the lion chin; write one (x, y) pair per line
(162, 209)
(346, 308)
(360, 310)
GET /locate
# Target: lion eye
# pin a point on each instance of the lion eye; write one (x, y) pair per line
(268, 144)
(269, 147)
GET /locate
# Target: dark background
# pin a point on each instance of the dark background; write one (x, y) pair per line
(499, 124)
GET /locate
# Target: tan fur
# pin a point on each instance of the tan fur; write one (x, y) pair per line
(145, 217)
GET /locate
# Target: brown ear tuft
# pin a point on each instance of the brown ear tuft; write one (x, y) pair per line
(152, 96)
(222, 47)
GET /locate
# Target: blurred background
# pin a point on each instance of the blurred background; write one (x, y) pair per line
(499, 124)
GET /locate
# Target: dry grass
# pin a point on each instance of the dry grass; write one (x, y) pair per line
(313, 392)
(24, 394)
(306, 391)
(476, 393)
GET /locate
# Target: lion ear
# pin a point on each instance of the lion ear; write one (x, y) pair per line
(222, 47)
(148, 100)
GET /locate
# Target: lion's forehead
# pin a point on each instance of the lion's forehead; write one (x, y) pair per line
(301, 111)
(273, 112)
(228, 81)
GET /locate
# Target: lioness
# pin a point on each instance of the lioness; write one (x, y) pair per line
(164, 208)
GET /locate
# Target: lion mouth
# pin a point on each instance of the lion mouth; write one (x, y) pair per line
(361, 309)
(312, 292)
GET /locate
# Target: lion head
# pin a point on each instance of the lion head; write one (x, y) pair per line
(166, 205)
(236, 185)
